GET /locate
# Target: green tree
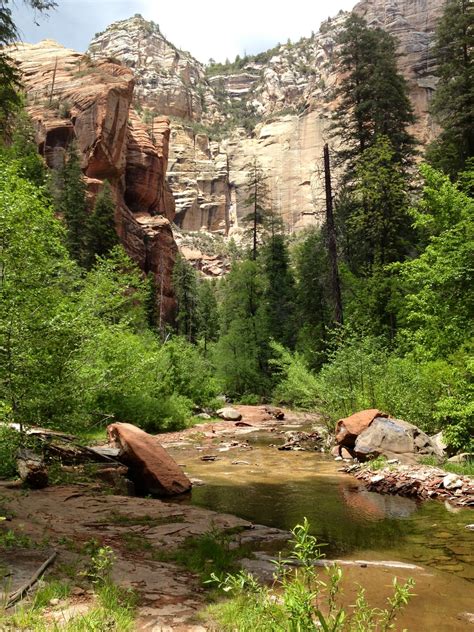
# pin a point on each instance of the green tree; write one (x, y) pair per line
(279, 292)
(313, 306)
(186, 290)
(379, 222)
(101, 235)
(242, 352)
(372, 98)
(208, 313)
(453, 102)
(258, 201)
(35, 330)
(72, 204)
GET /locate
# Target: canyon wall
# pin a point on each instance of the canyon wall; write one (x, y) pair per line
(286, 89)
(72, 99)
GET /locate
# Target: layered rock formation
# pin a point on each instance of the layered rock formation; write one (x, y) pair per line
(198, 174)
(168, 80)
(71, 99)
(288, 88)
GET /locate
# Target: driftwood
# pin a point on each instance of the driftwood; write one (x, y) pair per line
(17, 595)
(32, 469)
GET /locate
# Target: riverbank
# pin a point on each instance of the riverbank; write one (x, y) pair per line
(416, 481)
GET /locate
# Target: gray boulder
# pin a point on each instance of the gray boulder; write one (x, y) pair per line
(394, 438)
(229, 414)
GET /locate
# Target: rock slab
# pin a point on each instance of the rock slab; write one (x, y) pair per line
(349, 428)
(393, 438)
(153, 470)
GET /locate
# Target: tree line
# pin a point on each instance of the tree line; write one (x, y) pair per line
(79, 339)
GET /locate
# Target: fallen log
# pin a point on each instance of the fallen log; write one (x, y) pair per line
(32, 469)
(18, 594)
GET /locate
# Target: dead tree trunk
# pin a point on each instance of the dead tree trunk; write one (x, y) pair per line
(331, 242)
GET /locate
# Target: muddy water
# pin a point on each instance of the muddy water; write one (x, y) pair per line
(278, 489)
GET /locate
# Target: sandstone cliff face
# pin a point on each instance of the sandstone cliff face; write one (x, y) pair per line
(289, 89)
(70, 98)
(168, 80)
(198, 175)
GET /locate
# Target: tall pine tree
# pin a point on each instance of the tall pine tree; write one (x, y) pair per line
(258, 203)
(72, 204)
(453, 103)
(186, 291)
(279, 292)
(372, 98)
(101, 235)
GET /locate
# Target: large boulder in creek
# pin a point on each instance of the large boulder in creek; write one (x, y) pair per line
(151, 468)
(229, 414)
(394, 438)
(349, 428)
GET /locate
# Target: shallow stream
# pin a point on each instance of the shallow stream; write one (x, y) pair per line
(279, 489)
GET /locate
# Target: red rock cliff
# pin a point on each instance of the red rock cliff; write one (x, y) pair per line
(69, 97)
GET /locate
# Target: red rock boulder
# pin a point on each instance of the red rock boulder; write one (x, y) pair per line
(152, 469)
(349, 428)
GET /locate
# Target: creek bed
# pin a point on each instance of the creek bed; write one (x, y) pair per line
(279, 489)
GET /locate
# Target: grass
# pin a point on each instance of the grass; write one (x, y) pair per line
(113, 610)
(301, 598)
(208, 553)
(462, 469)
(152, 521)
(136, 542)
(11, 539)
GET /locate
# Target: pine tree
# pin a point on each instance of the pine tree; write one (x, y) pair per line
(379, 223)
(101, 233)
(72, 204)
(257, 219)
(242, 352)
(186, 291)
(372, 98)
(453, 103)
(313, 306)
(279, 293)
(208, 313)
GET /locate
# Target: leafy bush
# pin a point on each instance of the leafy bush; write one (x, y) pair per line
(10, 441)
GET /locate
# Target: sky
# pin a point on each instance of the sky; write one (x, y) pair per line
(206, 28)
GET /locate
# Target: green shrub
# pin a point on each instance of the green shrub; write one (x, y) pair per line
(300, 600)
(10, 441)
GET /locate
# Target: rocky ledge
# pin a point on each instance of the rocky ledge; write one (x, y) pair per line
(416, 481)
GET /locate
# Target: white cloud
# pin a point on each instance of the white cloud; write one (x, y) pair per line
(207, 28)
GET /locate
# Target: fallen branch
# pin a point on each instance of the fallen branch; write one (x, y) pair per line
(19, 594)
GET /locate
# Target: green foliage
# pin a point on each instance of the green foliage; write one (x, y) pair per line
(453, 101)
(10, 441)
(373, 96)
(259, 218)
(72, 203)
(300, 600)
(241, 354)
(75, 349)
(186, 291)
(209, 553)
(279, 291)
(297, 386)
(208, 314)
(101, 235)
(379, 222)
(312, 300)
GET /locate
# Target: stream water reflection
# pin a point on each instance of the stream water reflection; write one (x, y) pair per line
(280, 488)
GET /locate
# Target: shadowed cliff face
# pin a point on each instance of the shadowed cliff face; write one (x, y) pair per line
(71, 98)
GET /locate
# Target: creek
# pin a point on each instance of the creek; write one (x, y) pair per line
(279, 489)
